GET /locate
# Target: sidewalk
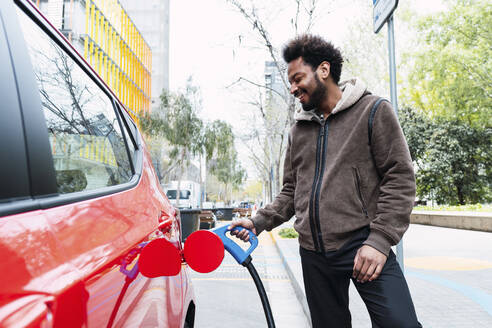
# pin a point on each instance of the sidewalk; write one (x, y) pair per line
(450, 277)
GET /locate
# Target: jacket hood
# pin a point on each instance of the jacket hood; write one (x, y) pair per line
(352, 91)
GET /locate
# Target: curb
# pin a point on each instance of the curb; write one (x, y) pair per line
(478, 221)
(294, 271)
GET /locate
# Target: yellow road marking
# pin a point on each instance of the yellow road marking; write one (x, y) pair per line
(235, 264)
(237, 279)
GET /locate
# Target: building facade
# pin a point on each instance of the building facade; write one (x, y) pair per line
(106, 35)
(275, 110)
(152, 19)
(273, 81)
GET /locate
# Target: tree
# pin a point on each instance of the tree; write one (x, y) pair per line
(177, 122)
(253, 191)
(365, 53)
(221, 155)
(452, 158)
(218, 139)
(228, 171)
(451, 74)
(267, 135)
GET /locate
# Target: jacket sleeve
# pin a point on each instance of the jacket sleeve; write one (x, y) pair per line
(397, 186)
(282, 208)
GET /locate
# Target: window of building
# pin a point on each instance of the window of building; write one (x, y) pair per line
(86, 141)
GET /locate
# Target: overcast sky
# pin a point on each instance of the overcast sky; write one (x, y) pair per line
(204, 43)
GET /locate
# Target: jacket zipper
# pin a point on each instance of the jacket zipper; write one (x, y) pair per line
(359, 191)
(312, 223)
(315, 193)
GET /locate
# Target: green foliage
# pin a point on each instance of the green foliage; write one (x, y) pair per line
(253, 191)
(218, 139)
(177, 121)
(221, 155)
(288, 233)
(228, 170)
(451, 75)
(452, 158)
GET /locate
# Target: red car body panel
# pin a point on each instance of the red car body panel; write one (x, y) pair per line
(69, 258)
(62, 266)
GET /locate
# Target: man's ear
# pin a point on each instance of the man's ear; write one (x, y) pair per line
(324, 70)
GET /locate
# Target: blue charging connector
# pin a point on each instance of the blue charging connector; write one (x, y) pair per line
(243, 257)
(234, 249)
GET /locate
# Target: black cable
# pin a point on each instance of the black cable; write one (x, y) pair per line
(261, 290)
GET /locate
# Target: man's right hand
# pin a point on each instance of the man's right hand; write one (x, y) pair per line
(243, 234)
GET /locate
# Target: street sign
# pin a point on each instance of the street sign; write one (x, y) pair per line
(383, 9)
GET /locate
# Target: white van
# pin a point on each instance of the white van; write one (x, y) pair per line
(189, 194)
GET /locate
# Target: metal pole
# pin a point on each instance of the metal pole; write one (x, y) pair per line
(272, 195)
(394, 101)
(392, 65)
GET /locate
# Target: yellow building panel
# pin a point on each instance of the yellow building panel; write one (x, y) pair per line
(114, 47)
(86, 46)
(117, 51)
(96, 26)
(87, 10)
(92, 16)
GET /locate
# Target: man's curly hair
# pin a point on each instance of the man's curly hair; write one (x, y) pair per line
(314, 50)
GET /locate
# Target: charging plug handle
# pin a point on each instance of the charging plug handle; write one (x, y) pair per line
(234, 249)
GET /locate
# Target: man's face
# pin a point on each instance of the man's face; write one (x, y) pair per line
(305, 84)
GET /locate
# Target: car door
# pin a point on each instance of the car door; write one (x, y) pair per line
(27, 248)
(95, 194)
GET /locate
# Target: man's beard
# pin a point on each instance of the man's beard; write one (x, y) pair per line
(316, 97)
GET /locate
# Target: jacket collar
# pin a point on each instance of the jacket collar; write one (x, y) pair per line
(352, 91)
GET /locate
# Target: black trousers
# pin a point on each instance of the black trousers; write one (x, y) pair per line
(327, 278)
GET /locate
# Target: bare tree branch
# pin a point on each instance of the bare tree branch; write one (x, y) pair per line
(258, 25)
(275, 124)
(310, 13)
(297, 16)
(256, 84)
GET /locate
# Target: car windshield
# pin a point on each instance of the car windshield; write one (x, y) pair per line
(183, 194)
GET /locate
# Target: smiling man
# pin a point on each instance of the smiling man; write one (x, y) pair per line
(349, 180)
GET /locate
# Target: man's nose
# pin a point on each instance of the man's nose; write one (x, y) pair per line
(293, 89)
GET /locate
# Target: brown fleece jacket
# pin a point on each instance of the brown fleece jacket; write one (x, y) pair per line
(335, 183)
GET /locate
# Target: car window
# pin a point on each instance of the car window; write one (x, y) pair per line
(183, 194)
(131, 145)
(130, 134)
(86, 141)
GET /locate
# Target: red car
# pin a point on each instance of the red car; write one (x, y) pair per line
(79, 197)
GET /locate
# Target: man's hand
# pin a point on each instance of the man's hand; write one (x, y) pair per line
(243, 234)
(368, 264)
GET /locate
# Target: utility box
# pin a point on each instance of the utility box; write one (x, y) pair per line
(190, 222)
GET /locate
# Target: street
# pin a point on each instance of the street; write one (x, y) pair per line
(228, 297)
(449, 273)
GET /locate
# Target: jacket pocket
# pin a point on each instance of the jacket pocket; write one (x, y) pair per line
(357, 182)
